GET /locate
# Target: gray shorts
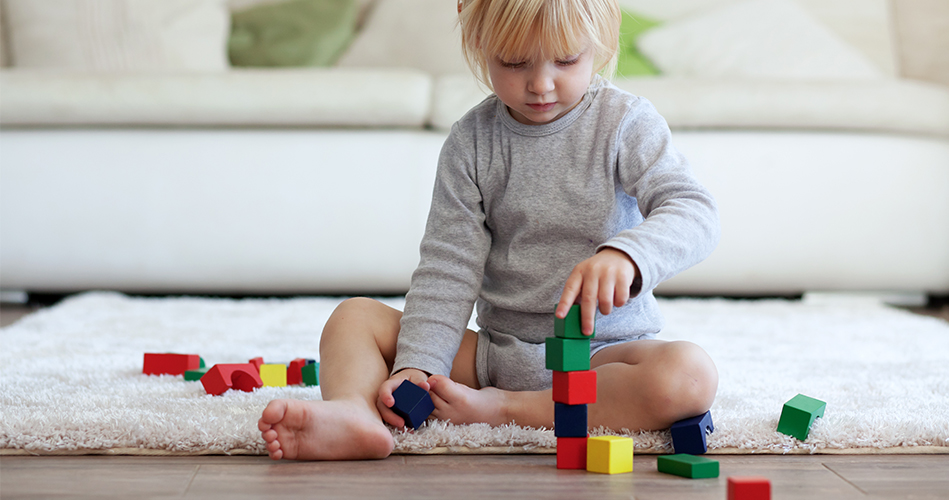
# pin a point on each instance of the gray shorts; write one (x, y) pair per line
(508, 363)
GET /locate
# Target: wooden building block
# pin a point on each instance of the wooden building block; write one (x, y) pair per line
(169, 363)
(799, 414)
(570, 420)
(575, 388)
(220, 378)
(572, 453)
(257, 362)
(687, 466)
(610, 454)
(294, 371)
(749, 488)
(310, 373)
(274, 375)
(195, 375)
(569, 327)
(567, 355)
(689, 435)
(412, 403)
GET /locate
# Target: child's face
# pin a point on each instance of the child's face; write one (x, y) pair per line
(540, 91)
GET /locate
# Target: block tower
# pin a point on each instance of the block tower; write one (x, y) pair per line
(568, 355)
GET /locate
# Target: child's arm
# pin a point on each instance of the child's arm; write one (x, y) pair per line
(605, 278)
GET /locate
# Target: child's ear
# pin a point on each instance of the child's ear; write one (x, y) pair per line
(461, 4)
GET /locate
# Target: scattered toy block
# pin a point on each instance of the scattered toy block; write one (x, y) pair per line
(569, 327)
(749, 488)
(610, 454)
(169, 363)
(570, 420)
(202, 365)
(294, 373)
(689, 435)
(273, 375)
(567, 355)
(257, 362)
(799, 414)
(412, 403)
(195, 375)
(220, 378)
(575, 388)
(572, 453)
(688, 466)
(311, 373)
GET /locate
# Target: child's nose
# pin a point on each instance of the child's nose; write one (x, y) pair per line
(540, 82)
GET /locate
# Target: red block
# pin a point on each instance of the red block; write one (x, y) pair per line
(572, 453)
(575, 388)
(241, 376)
(749, 488)
(294, 371)
(170, 364)
(257, 362)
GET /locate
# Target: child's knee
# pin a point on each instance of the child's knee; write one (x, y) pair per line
(691, 380)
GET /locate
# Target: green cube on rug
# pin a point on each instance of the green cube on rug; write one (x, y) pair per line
(688, 466)
(568, 355)
(311, 374)
(799, 414)
(195, 375)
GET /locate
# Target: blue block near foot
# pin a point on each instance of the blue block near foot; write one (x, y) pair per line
(412, 403)
(689, 435)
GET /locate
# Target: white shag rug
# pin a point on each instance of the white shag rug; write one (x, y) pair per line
(72, 382)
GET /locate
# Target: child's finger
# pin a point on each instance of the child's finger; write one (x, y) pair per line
(570, 292)
(588, 299)
(388, 415)
(607, 291)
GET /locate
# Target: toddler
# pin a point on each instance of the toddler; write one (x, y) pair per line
(557, 189)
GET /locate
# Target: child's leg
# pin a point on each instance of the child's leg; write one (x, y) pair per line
(646, 384)
(357, 351)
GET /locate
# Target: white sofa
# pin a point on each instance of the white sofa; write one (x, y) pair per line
(317, 180)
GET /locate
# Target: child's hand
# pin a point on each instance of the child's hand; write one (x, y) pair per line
(385, 400)
(604, 278)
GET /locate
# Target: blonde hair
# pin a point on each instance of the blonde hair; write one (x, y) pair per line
(526, 29)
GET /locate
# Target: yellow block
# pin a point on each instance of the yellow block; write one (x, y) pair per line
(273, 375)
(610, 454)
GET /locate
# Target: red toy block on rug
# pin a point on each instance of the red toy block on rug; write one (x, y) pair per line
(295, 371)
(572, 453)
(575, 388)
(257, 362)
(749, 488)
(170, 364)
(240, 376)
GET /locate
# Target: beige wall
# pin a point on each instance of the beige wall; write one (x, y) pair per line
(922, 28)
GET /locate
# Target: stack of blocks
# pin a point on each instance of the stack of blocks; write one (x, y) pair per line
(574, 387)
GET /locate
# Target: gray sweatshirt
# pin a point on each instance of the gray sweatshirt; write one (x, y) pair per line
(516, 207)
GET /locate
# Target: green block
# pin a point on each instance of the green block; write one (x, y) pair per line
(311, 374)
(569, 327)
(799, 414)
(193, 375)
(567, 355)
(202, 362)
(688, 466)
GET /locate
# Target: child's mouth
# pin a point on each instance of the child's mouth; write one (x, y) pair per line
(542, 108)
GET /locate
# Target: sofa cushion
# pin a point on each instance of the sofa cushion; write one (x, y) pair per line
(874, 105)
(118, 35)
(330, 97)
(419, 34)
(773, 39)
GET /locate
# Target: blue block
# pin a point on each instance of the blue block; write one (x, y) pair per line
(688, 436)
(570, 420)
(412, 403)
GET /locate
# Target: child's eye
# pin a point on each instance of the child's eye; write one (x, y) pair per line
(513, 65)
(569, 61)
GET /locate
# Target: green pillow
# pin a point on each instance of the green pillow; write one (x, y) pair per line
(292, 33)
(630, 62)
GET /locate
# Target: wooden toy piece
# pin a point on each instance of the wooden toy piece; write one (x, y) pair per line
(202, 365)
(799, 414)
(169, 364)
(688, 466)
(273, 375)
(610, 454)
(294, 374)
(572, 453)
(567, 355)
(195, 375)
(575, 388)
(570, 420)
(412, 403)
(311, 373)
(241, 376)
(257, 362)
(749, 488)
(689, 435)
(569, 327)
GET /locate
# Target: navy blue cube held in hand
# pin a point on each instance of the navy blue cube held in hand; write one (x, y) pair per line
(688, 436)
(412, 403)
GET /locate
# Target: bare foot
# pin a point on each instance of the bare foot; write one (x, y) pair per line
(323, 430)
(463, 405)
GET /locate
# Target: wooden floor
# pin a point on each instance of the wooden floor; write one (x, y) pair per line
(460, 477)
